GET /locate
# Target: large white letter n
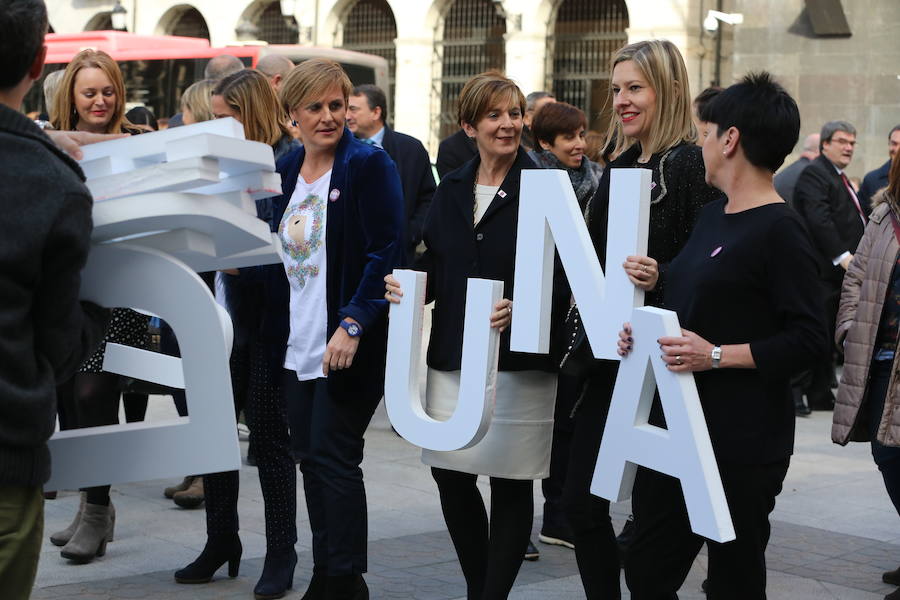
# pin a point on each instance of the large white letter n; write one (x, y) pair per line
(682, 451)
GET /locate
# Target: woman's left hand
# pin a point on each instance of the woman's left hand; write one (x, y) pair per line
(340, 351)
(502, 314)
(642, 271)
(687, 353)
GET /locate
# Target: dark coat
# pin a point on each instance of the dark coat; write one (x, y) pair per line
(458, 250)
(414, 166)
(363, 243)
(45, 332)
(786, 180)
(872, 182)
(455, 151)
(830, 215)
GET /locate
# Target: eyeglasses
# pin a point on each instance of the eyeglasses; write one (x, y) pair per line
(843, 142)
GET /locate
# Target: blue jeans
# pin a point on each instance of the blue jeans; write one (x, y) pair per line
(886, 457)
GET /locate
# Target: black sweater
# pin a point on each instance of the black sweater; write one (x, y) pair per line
(750, 277)
(45, 332)
(679, 192)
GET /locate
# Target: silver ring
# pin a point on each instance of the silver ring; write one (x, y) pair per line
(678, 359)
(509, 310)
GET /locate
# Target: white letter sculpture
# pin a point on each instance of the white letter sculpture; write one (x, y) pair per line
(168, 204)
(480, 353)
(682, 451)
(548, 214)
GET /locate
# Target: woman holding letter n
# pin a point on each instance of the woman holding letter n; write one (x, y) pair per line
(471, 232)
(744, 287)
(651, 129)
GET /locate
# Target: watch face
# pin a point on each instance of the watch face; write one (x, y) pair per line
(353, 329)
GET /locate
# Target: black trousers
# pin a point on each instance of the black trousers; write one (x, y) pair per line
(556, 524)
(664, 547)
(816, 382)
(596, 550)
(327, 437)
(260, 387)
(886, 457)
(490, 552)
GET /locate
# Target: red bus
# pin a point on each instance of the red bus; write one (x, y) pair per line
(158, 68)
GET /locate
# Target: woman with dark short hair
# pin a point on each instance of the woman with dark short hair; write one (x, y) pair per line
(745, 290)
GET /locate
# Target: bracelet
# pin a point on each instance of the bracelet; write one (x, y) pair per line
(716, 356)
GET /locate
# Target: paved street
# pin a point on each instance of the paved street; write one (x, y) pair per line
(834, 532)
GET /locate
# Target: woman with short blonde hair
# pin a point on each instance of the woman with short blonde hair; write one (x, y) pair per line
(480, 241)
(196, 100)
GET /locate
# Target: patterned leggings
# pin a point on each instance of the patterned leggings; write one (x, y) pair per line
(261, 395)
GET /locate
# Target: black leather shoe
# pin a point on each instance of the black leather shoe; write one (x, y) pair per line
(346, 587)
(892, 577)
(532, 553)
(277, 576)
(218, 551)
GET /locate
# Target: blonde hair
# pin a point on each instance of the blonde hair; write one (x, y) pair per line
(662, 65)
(484, 91)
(248, 93)
(64, 116)
(309, 80)
(197, 100)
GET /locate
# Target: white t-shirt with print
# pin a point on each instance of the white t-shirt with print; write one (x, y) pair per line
(302, 235)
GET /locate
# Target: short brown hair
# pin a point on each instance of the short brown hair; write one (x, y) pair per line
(64, 115)
(248, 93)
(485, 91)
(556, 118)
(310, 79)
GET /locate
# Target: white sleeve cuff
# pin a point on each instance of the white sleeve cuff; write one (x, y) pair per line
(838, 260)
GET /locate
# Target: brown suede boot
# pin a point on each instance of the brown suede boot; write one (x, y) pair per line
(90, 537)
(191, 497)
(170, 492)
(61, 538)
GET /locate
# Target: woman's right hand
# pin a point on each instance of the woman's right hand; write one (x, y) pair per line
(393, 293)
(626, 342)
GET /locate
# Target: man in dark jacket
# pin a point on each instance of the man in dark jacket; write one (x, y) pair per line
(454, 151)
(366, 118)
(877, 179)
(835, 219)
(786, 180)
(45, 332)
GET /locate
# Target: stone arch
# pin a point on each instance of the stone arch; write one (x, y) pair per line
(184, 20)
(269, 24)
(370, 26)
(102, 21)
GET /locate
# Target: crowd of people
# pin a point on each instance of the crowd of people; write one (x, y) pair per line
(773, 279)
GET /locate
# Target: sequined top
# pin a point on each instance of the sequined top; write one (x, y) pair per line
(679, 192)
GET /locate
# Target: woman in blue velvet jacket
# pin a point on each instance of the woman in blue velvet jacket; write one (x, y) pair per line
(340, 222)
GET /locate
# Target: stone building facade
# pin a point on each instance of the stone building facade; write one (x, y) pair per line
(558, 45)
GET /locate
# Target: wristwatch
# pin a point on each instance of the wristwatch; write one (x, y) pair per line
(716, 356)
(352, 329)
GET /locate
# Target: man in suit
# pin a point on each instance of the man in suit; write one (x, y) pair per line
(366, 118)
(786, 180)
(877, 179)
(836, 219)
(533, 103)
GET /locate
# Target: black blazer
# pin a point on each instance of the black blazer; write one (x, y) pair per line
(786, 180)
(830, 215)
(458, 250)
(414, 166)
(455, 151)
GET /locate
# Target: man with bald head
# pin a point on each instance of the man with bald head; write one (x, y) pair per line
(275, 67)
(221, 66)
(786, 180)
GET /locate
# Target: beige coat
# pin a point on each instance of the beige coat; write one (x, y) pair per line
(862, 299)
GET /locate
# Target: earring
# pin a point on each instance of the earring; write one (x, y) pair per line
(293, 123)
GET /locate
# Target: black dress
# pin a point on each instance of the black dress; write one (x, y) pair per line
(679, 193)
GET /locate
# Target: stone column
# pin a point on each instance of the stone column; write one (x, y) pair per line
(412, 104)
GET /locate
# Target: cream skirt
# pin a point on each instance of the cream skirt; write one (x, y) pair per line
(517, 445)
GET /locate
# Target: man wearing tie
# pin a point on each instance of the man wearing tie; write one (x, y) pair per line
(836, 220)
(366, 118)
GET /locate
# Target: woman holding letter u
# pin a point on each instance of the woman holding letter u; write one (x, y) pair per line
(651, 129)
(471, 232)
(744, 287)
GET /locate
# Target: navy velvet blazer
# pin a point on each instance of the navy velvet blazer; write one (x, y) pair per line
(363, 243)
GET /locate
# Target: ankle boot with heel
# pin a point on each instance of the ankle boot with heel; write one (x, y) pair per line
(218, 551)
(277, 576)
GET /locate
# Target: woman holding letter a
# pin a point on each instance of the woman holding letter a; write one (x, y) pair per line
(471, 232)
(744, 287)
(651, 129)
